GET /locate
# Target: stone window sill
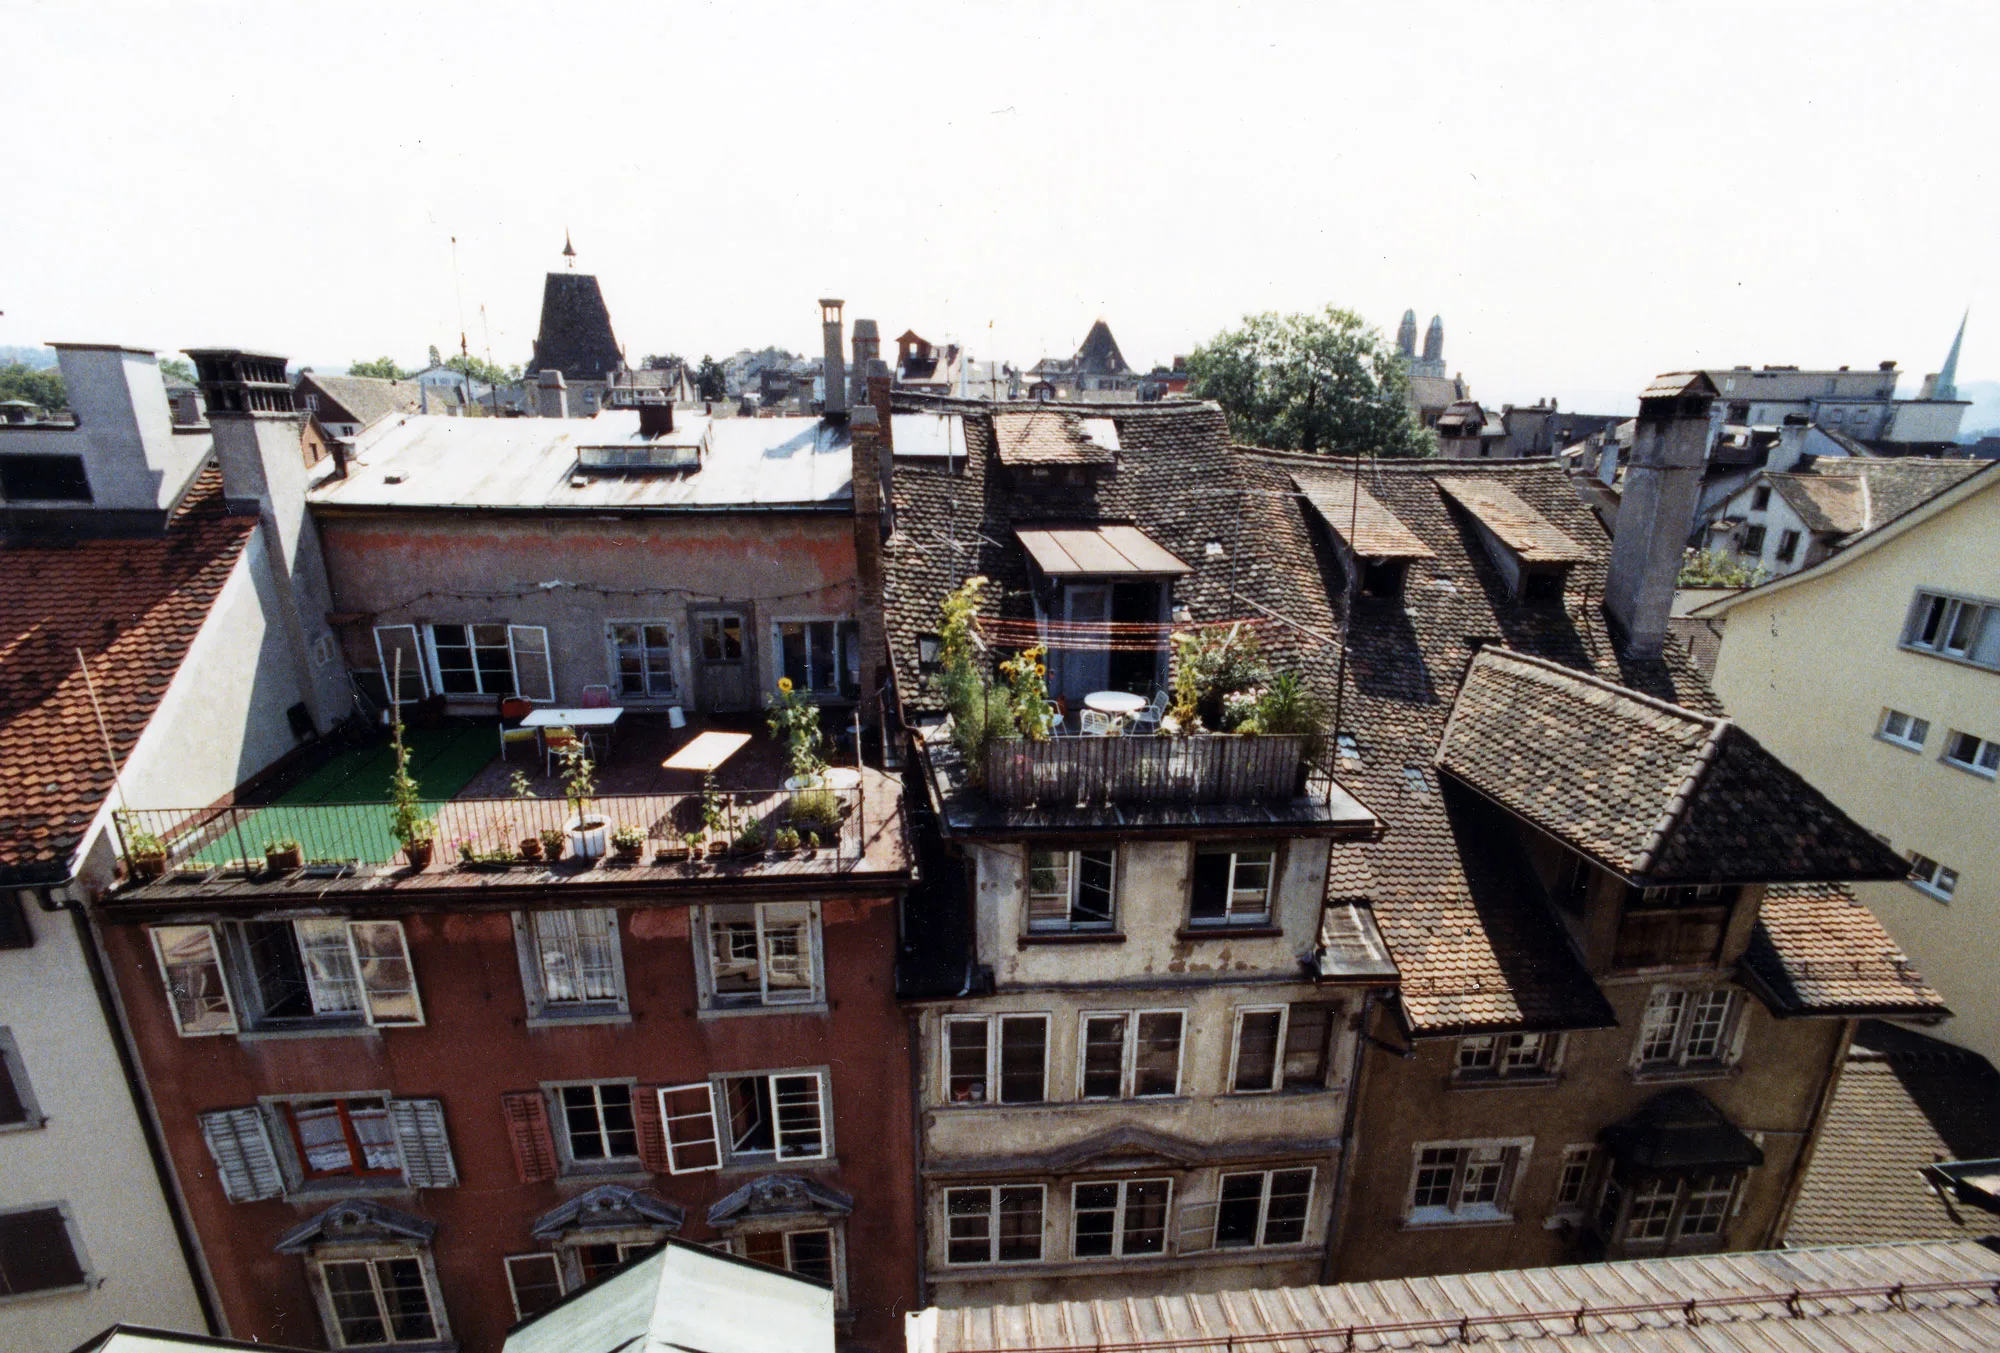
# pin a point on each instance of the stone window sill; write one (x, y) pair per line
(1073, 937)
(1230, 932)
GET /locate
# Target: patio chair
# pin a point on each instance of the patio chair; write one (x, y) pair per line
(1096, 724)
(1148, 719)
(513, 737)
(556, 740)
(597, 697)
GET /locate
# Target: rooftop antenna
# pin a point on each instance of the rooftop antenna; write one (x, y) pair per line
(464, 352)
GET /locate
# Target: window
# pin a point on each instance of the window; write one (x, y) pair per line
(1931, 877)
(327, 970)
(1465, 1181)
(774, 1117)
(1281, 1048)
(1905, 730)
(822, 657)
(1573, 1179)
(996, 1058)
(535, 1281)
(642, 654)
(1309, 1046)
(1954, 627)
(1667, 1211)
(1788, 546)
(1753, 540)
(598, 1126)
(762, 954)
(571, 964)
(192, 969)
(39, 1252)
(1119, 1221)
(1255, 1067)
(808, 1254)
(472, 659)
(1130, 1055)
(344, 1138)
(1268, 1207)
(722, 638)
(599, 1259)
(45, 479)
(1232, 887)
(1384, 578)
(997, 1225)
(328, 1139)
(378, 1301)
(1070, 890)
(1504, 1056)
(1971, 753)
(1760, 498)
(1672, 927)
(1683, 1028)
(17, 1100)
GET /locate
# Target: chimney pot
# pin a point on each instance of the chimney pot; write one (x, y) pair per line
(833, 371)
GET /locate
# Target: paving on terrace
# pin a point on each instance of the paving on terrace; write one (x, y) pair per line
(338, 811)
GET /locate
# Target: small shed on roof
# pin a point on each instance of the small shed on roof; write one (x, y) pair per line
(1098, 550)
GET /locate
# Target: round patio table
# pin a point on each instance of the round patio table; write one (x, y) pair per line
(1124, 704)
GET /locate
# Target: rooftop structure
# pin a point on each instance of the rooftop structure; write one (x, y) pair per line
(575, 336)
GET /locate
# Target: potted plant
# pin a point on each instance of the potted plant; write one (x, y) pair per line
(531, 848)
(786, 840)
(145, 854)
(751, 841)
(553, 840)
(675, 848)
(628, 841)
(415, 832)
(795, 725)
(589, 833)
(816, 810)
(283, 855)
(531, 844)
(714, 816)
(809, 844)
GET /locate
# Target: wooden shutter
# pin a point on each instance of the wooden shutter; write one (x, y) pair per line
(528, 1133)
(388, 981)
(688, 1114)
(1197, 1226)
(427, 1162)
(534, 675)
(244, 1160)
(651, 1128)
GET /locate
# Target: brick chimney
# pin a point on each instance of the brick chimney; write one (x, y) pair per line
(867, 343)
(1656, 513)
(551, 395)
(870, 450)
(833, 372)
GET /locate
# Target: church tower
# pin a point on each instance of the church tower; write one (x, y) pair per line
(1406, 336)
(1946, 384)
(1434, 341)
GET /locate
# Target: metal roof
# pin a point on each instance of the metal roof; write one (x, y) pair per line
(517, 463)
(940, 435)
(1519, 527)
(1352, 513)
(1098, 551)
(1920, 1297)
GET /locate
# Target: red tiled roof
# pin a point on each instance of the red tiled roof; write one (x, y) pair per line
(1817, 951)
(133, 608)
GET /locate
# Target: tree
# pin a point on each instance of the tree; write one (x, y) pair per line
(175, 369)
(486, 373)
(1325, 382)
(662, 361)
(709, 378)
(41, 386)
(382, 368)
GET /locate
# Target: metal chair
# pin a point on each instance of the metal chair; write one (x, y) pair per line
(597, 697)
(510, 737)
(1148, 719)
(557, 740)
(1096, 724)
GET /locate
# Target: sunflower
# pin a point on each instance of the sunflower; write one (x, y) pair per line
(784, 685)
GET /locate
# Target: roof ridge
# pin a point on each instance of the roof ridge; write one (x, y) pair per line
(1683, 795)
(1593, 679)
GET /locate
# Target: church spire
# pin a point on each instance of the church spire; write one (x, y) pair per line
(1406, 334)
(1946, 386)
(569, 250)
(1434, 340)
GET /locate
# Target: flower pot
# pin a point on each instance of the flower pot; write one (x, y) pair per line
(285, 861)
(589, 837)
(627, 854)
(553, 844)
(146, 868)
(671, 854)
(531, 848)
(419, 853)
(717, 849)
(795, 783)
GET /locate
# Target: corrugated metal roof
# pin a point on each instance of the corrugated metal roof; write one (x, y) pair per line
(1522, 529)
(1098, 551)
(1937, 1296)
(937, 435)
(1352, 513)
(533, 463)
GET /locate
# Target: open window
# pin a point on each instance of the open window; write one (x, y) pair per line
(317, 971)
(760, 954)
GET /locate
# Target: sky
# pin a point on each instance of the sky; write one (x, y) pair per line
(1588, 194)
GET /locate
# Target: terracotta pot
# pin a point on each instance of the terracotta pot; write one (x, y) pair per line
(626, 853)
(531, 848)
(716, 848)
(285, 861)
(419, 854)
(147, 867)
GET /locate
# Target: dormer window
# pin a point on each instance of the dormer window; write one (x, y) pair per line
(1532, 555)
(1384, 578)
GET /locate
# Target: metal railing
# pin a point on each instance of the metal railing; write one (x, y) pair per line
(1203, 768)
(360, 835)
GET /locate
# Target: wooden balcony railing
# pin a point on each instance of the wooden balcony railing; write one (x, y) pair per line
(1205, 768)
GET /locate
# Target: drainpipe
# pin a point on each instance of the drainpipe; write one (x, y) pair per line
(1336, 1223)
(914, 1019)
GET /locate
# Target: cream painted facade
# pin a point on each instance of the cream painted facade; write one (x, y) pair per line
(1815, 664)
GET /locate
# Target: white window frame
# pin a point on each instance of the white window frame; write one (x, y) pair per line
(1929, 876)
(373, 1255)
(15, 1069)
(1072, 884)
(760, 914)
(228, 1023)
(418, 663)
(737, 1243)
(1952, 608)
(1985, 762)
(1128, 1061)
(559, 1111)
(529, 942)
(1578, 1163)
(1510, 1154)
(705, 1132)
(1263, 1240)
(1692, 1000)
(846, 644)
(719, 1097)
(89, 1282)
(553, 1260)
(1231, 916)
(1517, 1057)
(995, 1026)
(1284, 1014)
(474, 648)
(1678, 1193)
(1123, 1205)
(992, 1194)
(674, 661)
(1902, 729)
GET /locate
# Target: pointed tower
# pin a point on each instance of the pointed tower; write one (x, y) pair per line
(569, 250)
(1406, 335)
(1946, 385)
(1434, 342)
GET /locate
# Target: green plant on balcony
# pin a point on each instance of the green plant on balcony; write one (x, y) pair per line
(979, 712)
(413, 830)
(1210, 666)
(794, 724)
(145, 852)
(1286, 707)
(816, 810)
(628, 841)
(751, 840)
(1027, 678)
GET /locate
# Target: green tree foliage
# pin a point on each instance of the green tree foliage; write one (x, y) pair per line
(1712, 568)
(41, 386)
(708, 376)
(1325, 382)
(382, 368)
(486, 373)
(173, 368)
(661, 361)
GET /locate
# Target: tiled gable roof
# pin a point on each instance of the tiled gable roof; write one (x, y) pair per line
(1098, 354)
(1045, 436)
(1817, 951)
(1519, 527)
(1827, 505)
(133, 607)
(366, 399)
(1348, 510)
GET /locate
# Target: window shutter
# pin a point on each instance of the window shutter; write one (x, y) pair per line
(646, 1121)
(394, 642)
(419, 1125)
(534, 675)
(1197, 1230)
(528, 1132)
(688, 1114)
(244, 1160)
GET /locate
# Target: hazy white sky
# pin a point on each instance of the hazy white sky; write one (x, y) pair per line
(1588, 193)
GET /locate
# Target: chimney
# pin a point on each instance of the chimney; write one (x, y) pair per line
(656, 418)
(870, 451)
(867, 352)
(551, 395)
(1656, 513)
(833, 372)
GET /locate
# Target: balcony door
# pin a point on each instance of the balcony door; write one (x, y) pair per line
(1084, 669)
(723, 668)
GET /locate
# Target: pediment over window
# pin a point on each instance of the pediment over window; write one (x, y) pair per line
(1127, 1146)
(356, 1221)
(780, 1195)
(608, 1207)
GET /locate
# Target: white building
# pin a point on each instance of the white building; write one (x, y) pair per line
(1780, 522)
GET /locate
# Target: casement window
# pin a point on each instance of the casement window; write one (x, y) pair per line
(1001, 1059)
(1573, 1179)
(17, 1098)
(1927, 875)
(1669, 1212)
(1969, 752)
(44, 479)
(1121, 1220)
(1686, 1028)
(571, 963)
(1071, 890)
(1905, 730)
(1001, 1224)
(326, 970)
(805, 1253)
(1130, 1054)
(1954, 627)
(761, 954)
(746, 1120)
(642, 657)
(599, 1259)
(191, 965)
(373, 1302)
(1465, 1181)
(1788, 546)
(535, 1281)
(1264, 1207)
(822, 657)
(1753, 540)
(1760, 498)
(471, 659)
(489, 658)
(1280, 1047)
(598, 1126)
(40, 1252)
(1232, 886)
(1504, 1056)
(328, 1142)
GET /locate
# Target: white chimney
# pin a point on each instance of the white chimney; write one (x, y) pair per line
(1656, 511)
(833, 372)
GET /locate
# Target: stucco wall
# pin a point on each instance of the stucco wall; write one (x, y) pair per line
(1810, 670)
(124, 429)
